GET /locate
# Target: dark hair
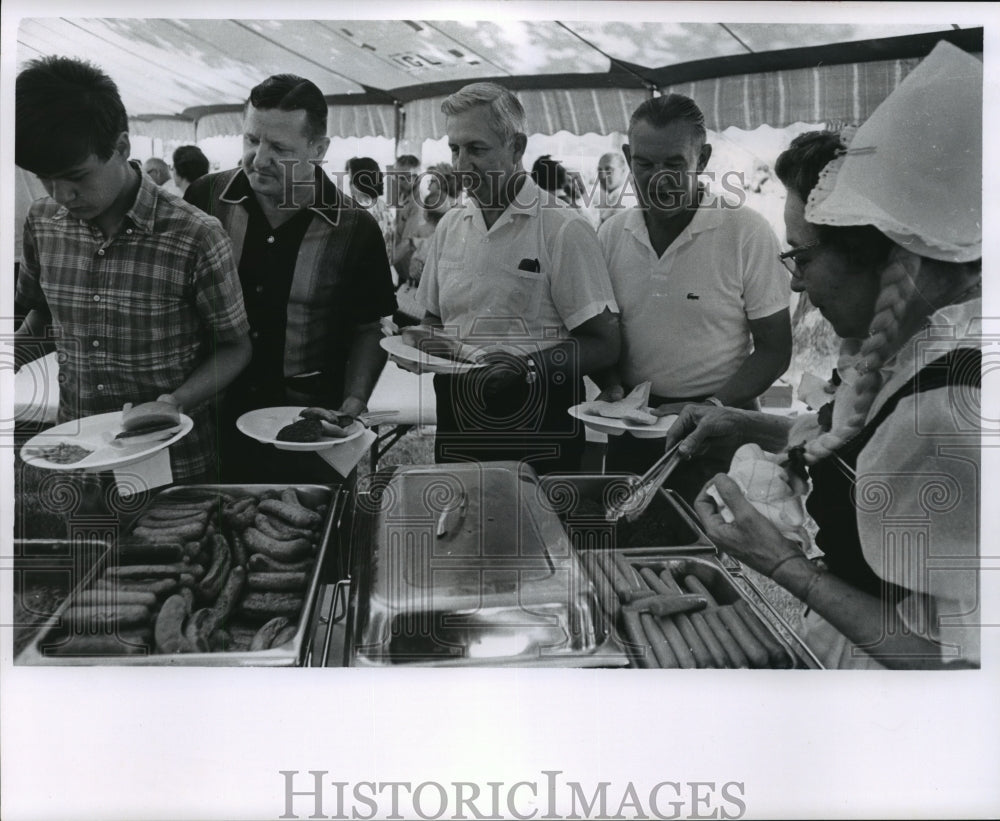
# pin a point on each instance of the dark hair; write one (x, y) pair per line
(65, 110)
(548, 173)
(190, 163)
(366, 176)
(407, 161)
(799, 166)
(289, 92)
(662, 111)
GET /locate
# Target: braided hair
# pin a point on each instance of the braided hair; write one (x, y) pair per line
(799, 168)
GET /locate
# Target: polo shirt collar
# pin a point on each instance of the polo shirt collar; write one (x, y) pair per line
(528, 201)
(238, 190)
(705, 219)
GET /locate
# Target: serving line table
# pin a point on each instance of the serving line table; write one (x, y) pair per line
(411, 396)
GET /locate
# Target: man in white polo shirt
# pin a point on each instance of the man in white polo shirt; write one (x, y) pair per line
(514, 272)
(703, 296)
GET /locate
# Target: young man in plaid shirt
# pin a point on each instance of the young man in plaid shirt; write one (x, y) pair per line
(139, 288)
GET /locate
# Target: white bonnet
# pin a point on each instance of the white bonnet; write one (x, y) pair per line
(914, 168)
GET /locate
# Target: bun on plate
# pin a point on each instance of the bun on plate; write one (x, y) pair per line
(632, 408)
(149, 421)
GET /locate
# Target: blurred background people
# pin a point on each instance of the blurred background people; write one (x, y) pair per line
(190, 163)
(409, 221)
(160, 173)
(441, 196)
(612, 174)
(367, 184)
(568, 187)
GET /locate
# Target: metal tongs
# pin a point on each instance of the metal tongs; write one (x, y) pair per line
(643, 489)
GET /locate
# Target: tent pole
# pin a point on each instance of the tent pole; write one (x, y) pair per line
(399, 126)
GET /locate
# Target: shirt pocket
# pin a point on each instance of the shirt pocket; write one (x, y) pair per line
(520, 292)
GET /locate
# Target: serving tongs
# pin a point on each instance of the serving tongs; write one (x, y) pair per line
(634, 503)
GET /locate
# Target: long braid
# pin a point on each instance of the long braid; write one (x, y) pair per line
(897, 289)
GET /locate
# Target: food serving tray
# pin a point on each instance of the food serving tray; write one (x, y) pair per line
(665, 539)
(46, 648)
(461, 565)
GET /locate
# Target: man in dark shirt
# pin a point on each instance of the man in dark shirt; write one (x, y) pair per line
(314, 272)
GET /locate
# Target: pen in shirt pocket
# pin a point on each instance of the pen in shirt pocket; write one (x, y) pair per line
(528, 264)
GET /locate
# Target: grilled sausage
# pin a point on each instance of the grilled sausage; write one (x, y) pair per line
(294, 514)
(102, 616)
(283, 551)
(113, 596)
(259, 605)
(776, 655)
(277, 529)
(169, 629)
(261, 563)
(268, 633)
(658, 642)
(277, 582)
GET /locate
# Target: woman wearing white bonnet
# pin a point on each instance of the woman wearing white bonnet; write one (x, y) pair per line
(887, 244)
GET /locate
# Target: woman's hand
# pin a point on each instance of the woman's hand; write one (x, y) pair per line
(750, 537)
(699, 426)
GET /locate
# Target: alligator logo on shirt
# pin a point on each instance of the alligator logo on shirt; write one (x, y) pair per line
(692, 295)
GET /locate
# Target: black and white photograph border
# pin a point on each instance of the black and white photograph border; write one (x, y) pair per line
(137, 743)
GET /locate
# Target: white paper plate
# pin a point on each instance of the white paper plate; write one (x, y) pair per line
(401, 353)
(616, 427)
(96, 433)
(264, 424)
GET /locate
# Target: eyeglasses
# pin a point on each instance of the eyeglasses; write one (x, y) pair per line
(790, 258)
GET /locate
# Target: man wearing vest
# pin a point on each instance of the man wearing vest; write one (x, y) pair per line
(314, 272)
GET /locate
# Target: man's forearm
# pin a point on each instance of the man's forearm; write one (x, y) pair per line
(595, 346)
(209, 379)
(364, 365)
(755, 376)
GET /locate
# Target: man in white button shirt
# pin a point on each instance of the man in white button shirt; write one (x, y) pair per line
(703, 296)
(518, 274)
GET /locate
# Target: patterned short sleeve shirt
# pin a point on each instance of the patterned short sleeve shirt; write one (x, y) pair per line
(136, 313)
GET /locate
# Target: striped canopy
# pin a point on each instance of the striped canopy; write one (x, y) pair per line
(188, 79)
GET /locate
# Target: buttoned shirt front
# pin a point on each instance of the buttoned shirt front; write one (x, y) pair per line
(137, 312)
(308, 285)
(537, 272)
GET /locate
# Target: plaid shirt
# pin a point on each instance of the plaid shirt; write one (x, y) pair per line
(135, 314)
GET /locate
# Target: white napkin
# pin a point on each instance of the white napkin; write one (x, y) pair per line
(813, 391)
(776, 494)
(146, 474)
(344, 458)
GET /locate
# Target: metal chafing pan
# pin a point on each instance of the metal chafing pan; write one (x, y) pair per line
(666, 536)
(463, 564)
(294, 653)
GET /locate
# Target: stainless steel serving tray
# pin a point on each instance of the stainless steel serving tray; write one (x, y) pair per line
(294, 653)
(667, 535)
(461, 565)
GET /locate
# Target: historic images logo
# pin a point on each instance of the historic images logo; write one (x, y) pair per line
(545, 797)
